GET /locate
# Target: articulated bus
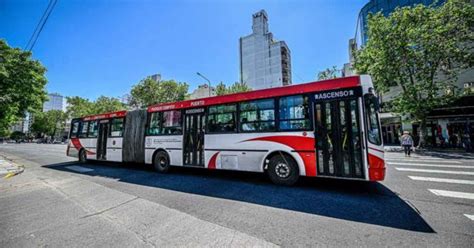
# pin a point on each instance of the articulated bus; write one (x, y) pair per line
(328, 128)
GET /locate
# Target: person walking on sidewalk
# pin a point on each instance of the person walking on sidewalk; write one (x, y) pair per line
(407, 143)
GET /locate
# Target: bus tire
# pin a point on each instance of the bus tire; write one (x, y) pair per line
(283, 170)
(161, 162)
(82, 156)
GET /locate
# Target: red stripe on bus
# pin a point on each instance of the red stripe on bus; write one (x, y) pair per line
(77, 144)
(106, 115)
(212, 161)
(331, 84)
(296, 143)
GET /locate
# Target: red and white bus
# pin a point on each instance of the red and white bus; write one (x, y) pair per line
(328, 128)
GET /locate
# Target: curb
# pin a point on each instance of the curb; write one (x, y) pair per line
(9, 169)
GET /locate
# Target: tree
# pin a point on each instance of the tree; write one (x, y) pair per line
(421, 50)
(22, 82)
(49, 123)
(78, 107)
(222, 89)
(329, 73)
(105, 104)
(17, 135)
(148, 92)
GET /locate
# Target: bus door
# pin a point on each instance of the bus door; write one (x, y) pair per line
(102, 139)
(338, 138)
(193, 140)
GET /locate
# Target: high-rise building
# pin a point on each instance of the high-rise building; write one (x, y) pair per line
(156, 77)
(386, 7)
(55, 102)
(264, 62)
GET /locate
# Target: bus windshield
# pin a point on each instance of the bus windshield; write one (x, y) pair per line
(373, 128)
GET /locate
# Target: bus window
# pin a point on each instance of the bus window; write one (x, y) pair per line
(93, 129)
(373, 130)
(83, 130)
(165, 123)
(221, 118)
(116, 129)
(257, 116)
(154, 125)
(171, 121)
(294, 113)
(74, 129)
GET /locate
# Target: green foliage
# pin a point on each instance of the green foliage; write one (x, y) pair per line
(17, 135)
(148, 92)
(329, 73)
(22, 83)
(421, 50)
(222, 89)
(79, 107)
(105, 104)
(49, 123)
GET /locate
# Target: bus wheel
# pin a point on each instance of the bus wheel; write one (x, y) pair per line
(82, 156)
(282, 170)
(161, 162)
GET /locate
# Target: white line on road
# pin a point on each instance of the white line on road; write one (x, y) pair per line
(434, 165)
(437, 171)
(441, 180)
(470, 216)
(453, 194)
(79, 168)
(413, 158)
(424, 160)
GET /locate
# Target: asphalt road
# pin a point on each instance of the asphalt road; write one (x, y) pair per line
(426, 200)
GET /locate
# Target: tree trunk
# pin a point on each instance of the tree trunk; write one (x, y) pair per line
(423, 134)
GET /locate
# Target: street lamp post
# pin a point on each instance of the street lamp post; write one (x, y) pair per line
(208, 81)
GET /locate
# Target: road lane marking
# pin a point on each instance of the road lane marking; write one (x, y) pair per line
(470, 216)
(441, 180)
(414, 158)
(453, 194)
(434, 165)
(436, 171)
(424, 160)
(79, 168)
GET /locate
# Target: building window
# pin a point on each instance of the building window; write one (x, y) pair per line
(221, 118)
(257, 116)
(93, 129)
(116, 129)
(83, 129)
(165, 123)
(294, 113)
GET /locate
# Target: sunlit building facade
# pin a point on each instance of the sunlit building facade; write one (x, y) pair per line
(264, 62)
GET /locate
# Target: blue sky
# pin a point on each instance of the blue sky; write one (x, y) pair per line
(99, 47)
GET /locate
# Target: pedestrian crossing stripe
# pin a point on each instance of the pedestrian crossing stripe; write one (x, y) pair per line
(441, 180)
(453, 194)
(434, 165)
(470, 216)
(436, 171)
(424, 160)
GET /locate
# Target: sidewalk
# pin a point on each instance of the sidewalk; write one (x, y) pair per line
(8, 168)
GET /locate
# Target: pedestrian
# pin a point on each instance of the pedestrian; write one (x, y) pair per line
(407, 143)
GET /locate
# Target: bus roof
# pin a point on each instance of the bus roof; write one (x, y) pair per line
(331, 84)
(121, 113)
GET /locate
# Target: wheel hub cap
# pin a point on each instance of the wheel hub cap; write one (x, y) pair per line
(282, 170)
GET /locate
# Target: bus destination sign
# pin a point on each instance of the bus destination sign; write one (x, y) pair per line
(335, 94)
